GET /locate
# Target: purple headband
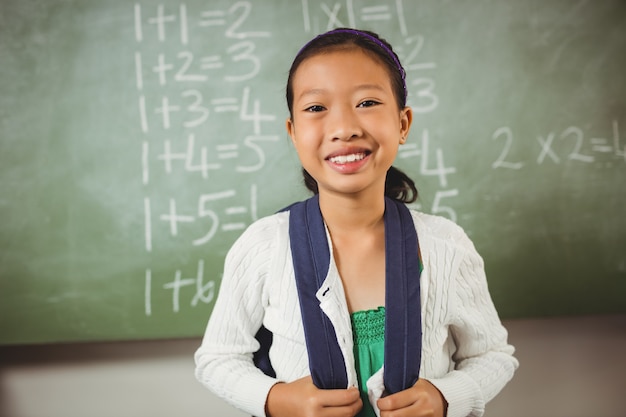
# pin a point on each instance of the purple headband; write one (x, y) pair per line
(371, 38)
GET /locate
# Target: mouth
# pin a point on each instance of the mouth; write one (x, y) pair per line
(348, 161)
(347, 157)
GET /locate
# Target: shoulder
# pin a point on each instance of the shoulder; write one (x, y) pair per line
(433, 229)
(261, 236)
(268, 225)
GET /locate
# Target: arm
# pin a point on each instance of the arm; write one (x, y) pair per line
(484, 360)
(224, 359)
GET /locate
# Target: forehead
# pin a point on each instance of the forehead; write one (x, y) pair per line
(350, 63)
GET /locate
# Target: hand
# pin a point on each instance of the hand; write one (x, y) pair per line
(301, 398)
(421, 400)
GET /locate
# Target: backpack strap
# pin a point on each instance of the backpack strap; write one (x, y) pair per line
(403, 317)
(403, 331)
(311, 259)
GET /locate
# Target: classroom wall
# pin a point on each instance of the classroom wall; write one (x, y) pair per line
(139, 139)
(570, 367)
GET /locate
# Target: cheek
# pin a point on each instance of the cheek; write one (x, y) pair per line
(306, 134)
(307, 149)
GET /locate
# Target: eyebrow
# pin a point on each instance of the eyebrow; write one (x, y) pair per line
(320, 91)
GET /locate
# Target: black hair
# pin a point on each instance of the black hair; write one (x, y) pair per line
(398, 185)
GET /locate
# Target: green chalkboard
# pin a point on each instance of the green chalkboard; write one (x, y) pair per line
(138, 139)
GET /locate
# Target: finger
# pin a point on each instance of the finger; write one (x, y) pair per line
(351, 409)
(399, 400)
(423, 399)
(330, 397)
(339, 397)
(302, 397)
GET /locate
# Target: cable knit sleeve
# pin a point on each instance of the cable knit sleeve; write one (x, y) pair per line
(224, 360)
(483, 359)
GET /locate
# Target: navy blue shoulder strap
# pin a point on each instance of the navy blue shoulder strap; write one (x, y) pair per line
(403, 331)
(403, 319)
(311, 259)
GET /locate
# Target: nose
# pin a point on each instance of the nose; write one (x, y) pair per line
(343, 124)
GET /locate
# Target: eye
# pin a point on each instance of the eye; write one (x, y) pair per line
(315, 108)
(368, 103)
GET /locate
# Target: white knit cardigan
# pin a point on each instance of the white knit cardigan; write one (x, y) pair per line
(465, 353)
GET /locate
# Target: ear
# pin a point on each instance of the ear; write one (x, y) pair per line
(291, 130)
(406, 118)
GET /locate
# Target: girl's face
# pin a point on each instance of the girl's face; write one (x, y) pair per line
(346, 124)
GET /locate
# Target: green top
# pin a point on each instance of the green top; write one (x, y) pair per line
(368, 329)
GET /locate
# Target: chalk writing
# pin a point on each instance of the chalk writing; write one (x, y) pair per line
(175, 122)
(438, 170)
(571, 144)
(320, 17)
(203, 292)
(501, 162)
(234, 20)
(441, 209)
(174, 217)
(423, 98)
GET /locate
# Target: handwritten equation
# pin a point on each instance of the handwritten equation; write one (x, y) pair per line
(574, 145)
(169, 59)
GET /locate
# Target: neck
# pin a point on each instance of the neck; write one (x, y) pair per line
(343, 213)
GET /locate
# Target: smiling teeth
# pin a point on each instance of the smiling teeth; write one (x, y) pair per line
(344, 159)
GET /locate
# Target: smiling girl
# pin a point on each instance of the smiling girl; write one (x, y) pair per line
(401, 322)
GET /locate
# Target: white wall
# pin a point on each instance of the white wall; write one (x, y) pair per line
(570, 367)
